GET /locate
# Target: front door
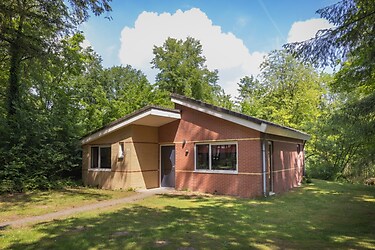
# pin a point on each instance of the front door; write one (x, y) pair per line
(167, 165)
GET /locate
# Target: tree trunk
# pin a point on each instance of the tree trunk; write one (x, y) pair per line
(13, 97)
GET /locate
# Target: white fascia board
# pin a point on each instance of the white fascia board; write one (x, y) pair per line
(224, 116)
(155, 112)
(165, 113)
(274, 130)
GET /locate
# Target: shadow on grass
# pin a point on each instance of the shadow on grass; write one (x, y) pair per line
(19, 205)
(304, 218)
(24, 199)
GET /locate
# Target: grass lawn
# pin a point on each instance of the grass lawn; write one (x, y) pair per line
(16, 206)
(320, 215)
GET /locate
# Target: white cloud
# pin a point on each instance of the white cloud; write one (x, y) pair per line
(303, 30)
(223, 51)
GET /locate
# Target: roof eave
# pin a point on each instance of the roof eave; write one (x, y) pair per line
(112, 128)
(274, 130)
(262, 126)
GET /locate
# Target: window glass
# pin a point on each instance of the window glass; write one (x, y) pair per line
(94, 157)
(105, 157)
(202, 156)
(223, 157)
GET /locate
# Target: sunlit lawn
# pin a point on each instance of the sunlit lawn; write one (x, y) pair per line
(320, 215)
(16, 206)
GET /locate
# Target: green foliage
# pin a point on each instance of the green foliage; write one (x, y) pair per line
(40, 52)
(343, 144)
(347, 134)
(183, 71)
(287, 92)
(21, 41)
(107, 94)
(352, 35)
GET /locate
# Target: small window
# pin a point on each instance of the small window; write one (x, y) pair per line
(121, 153)
(94, 157)
(101, 157)
(216, 157)
(202, 157)
(298, 148)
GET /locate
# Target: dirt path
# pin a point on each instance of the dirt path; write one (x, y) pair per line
(71, 211)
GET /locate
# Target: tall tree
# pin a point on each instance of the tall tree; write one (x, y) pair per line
(287, 91)
(42, 146)
(108, 94)
(183, 70)
(350, 47)
(20, 40)
(40, 53)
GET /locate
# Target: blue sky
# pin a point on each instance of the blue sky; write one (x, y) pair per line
(235, 34)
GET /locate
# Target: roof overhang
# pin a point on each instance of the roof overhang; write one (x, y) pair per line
(151, 116)
(275, 130)
(261, 126)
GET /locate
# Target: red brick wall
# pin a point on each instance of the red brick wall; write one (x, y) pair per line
(196, 127)
(287, 164)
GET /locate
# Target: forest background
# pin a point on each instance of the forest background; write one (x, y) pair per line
(53, 91)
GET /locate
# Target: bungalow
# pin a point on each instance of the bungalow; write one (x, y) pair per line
(196, 146)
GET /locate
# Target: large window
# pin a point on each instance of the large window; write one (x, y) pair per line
(101, 157)
(216, 156)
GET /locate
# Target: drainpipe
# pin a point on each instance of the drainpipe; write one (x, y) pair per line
(303, 159)
(264, 167)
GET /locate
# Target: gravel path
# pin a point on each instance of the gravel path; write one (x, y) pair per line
(142, 194)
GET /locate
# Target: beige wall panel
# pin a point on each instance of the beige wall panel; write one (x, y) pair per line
(145, 134)
(151, 179)
(85, 157)
(121, 180)
(142, 155)
(101, 179)
(123, 134)
(147, 155)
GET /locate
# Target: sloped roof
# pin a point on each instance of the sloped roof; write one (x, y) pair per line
(149, 115)
(239, 118)
(158, 116)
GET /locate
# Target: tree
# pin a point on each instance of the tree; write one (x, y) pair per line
(350, 47)
(183, 70)
(250, 95)
(287, 92)
(108, 94)
(44, 147)
(40, 54)
(20, 40)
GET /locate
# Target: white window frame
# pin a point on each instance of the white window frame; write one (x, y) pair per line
(210, 170)
(99, 150)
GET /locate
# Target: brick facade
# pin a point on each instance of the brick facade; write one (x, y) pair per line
(195, 127)
(283, 155)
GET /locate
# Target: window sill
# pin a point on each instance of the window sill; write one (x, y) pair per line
(100, 169)
(216, 171)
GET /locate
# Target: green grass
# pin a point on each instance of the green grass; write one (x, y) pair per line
(16, 206)
(321, 215)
